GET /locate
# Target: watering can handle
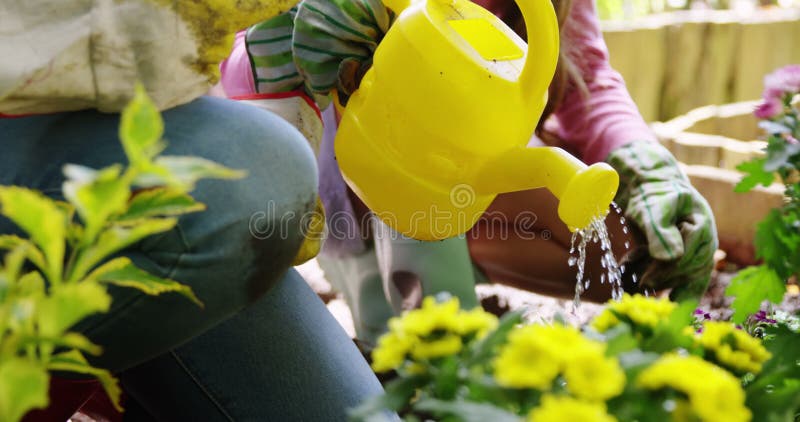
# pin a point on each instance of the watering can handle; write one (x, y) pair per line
(541, 25)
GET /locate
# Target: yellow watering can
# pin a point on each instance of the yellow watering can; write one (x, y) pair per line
(440, 123)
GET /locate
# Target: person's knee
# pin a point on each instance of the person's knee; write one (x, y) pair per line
(257, 222)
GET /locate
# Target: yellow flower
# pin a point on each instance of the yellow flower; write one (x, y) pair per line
(431, 317)
(435, 330)
(568, 409)
(448, 345)
(714, 394)
(641, 310)
(732, 348)
(536, 354)
(592, 376)
(528, 360)
(477, 322)
(390, 352)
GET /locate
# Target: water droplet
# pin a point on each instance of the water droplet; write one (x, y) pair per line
(634, 278)
(625, 229)
(646, 293)
(627, 245)
(572, 260)
(670, 405)
(602, 279)
(769, 388)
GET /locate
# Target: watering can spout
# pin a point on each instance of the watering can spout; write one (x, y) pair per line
(584, 192)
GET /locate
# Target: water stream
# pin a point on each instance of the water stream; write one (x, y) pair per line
(597, 232)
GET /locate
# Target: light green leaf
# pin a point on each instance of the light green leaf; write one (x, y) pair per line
(466, 411)
(99, 199)
(32, 253)
(486, 348)
(31, 284)
(122, 272)
(115, 238)
(161, 202)
(42, 219)
(69, 340)
(778, 241)
(73, 361)
(141, 128)
(23, 387)
(754, 175)
(183, 172)
(752, 286)
(70, 303)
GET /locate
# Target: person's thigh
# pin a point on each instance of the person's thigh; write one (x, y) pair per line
(229, 254)
(285, 358)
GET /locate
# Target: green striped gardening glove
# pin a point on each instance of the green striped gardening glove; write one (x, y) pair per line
(319, 45)
(676, 220)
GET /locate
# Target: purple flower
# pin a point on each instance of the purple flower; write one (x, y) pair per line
(782, 81)
(699, 312)
(761, 316)
(768, 108)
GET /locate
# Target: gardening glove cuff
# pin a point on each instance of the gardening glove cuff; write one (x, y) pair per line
(676, 220)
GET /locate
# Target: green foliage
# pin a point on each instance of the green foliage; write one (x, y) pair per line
(778, 235)
(59, 275)
(780, 377)
(752, 286)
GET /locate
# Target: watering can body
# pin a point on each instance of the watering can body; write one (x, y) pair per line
(440, 123)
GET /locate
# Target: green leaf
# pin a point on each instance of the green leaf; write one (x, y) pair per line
(754, 175)
(73, 361)
(42, 219)
(465, 411)
(159, 202)
(122, 272)
(183, 172)
(32, 253)
(67, 341)
(752, 286)
(778, 242)
(141, 128)
(31, 284)
(68, 304)
(115, 238)
(775, 393)
(620, 339)
(485, 349)
(669, 334)
(98, 199)
(23, 387)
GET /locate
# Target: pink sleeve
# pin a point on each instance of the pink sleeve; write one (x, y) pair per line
(594, 125)
(237, 73)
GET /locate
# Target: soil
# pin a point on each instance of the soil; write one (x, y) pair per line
(499, 299)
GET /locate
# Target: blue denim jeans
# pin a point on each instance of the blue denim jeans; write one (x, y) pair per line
(264, 347)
